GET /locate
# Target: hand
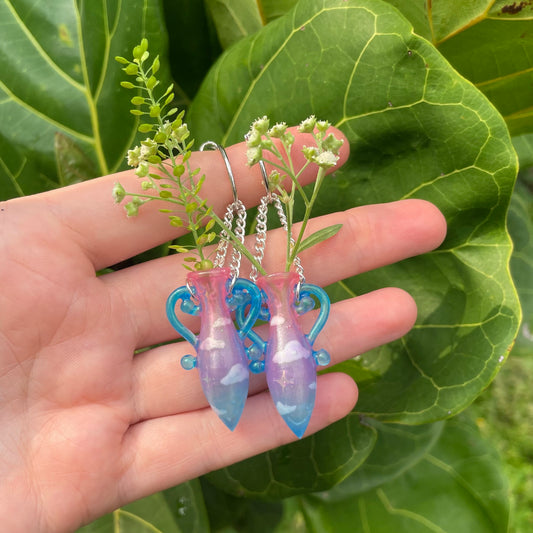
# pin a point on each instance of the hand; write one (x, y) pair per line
(87, 425)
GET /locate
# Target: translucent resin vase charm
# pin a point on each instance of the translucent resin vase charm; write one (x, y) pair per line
(287, 357)
(221, 356)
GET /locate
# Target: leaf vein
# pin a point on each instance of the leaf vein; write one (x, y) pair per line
(45, 117)
(40, 50)
(273, 57)
(406, 513)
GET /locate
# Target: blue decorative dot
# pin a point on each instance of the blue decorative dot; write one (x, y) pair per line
(189, 307)
(254, 352)
(257, 367)
(322, 357)
(188, 362)
(305, 304)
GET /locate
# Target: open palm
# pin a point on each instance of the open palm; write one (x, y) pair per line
(87, 424)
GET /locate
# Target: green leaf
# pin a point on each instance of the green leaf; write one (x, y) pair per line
(196, 38)
(235, 19)
(73, 165)
(315, 463)
(61, 77)
(524, 148)
(520, 222)
(489, 43)
(459, 486)
(416, 129)
(273, 9)
(319, 236)
(177, 510)
(398, 448)
(18, 173)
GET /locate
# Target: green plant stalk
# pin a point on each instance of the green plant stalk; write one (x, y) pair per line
(288, 169)
(234, 239)
(170, 148)
(308, 208)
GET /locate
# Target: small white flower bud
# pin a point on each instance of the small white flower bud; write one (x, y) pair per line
(134, 156)
(326, 159)
(148, 148)
(322, 126)
(142, 169)
(307, 125)
(181, 133)
(261, 125)
(253, 139)
(310, 152)
(118, 193)
(278, 130)
(253, 155)
(332, 143)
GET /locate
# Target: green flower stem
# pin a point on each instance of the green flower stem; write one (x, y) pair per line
(294, 178)
(234, 239)
(319, 179)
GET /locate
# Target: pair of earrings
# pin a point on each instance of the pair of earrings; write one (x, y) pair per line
(227, 348)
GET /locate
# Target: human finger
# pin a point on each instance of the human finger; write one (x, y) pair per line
(371, 236)
(165, 451)
(108, 236)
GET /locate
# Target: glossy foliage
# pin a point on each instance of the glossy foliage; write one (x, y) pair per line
(417, 130)
(412, 105)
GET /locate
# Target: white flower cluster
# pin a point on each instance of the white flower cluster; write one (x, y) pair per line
(325, 154)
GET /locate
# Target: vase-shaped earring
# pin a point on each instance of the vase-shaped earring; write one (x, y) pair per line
(221, 357)
(289, 358)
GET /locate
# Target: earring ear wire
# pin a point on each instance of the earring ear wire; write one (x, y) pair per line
(235, 208)
(212, 145)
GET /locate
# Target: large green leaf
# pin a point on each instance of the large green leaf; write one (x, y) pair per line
(458, 487)
(524, 148)
(60, 77)
(312, 464)
(490, 42)
(272, 9)
(520, 221)
(398, 448)
(193, 45)
(235, 19)
(416, 129)
(177, 510)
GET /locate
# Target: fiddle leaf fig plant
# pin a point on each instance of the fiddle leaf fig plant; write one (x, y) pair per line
(431, 97)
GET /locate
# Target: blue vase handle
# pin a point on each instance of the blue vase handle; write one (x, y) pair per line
(246, 321)
(322, 296)
(182, 293)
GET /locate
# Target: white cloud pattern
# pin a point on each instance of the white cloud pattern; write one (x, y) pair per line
(236, 374)
(285, 409)
(292, 351)
(211, 343)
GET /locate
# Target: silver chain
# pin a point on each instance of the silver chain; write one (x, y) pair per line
(260, 238)
(237, 207)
